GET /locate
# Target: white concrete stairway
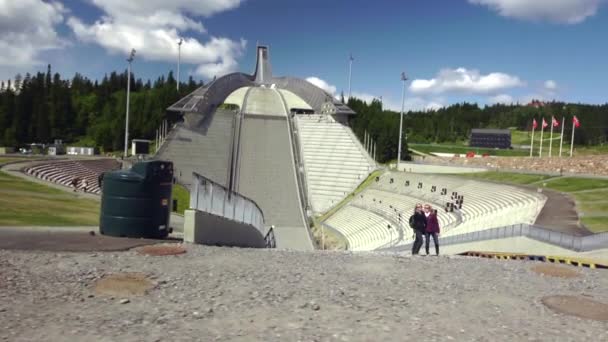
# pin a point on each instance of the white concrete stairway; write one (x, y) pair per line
(334, 162)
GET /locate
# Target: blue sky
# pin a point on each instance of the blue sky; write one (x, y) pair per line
(452, 50)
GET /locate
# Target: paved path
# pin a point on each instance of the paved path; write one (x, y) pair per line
(559, 214)
(65, 239)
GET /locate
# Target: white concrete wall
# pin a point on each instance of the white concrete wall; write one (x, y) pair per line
(521, 244)
(423, 168)
(207, 229)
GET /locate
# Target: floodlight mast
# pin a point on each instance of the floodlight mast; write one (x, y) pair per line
(179, 59)
(130, 60)
(350, 74)
(404, 79)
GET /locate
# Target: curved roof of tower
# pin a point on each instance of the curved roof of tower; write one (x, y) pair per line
(208, 97)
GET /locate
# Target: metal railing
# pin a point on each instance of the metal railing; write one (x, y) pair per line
(269, 239)
(210, 197)
(300, 163)
(567, 241)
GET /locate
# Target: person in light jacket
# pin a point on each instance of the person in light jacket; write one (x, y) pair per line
(432, 228)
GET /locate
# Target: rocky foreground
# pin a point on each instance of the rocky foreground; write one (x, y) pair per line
(221, 294)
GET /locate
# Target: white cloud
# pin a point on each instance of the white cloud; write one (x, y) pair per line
(502, 99)
(557, 11)
(153, 27)
(28, 27)
(330, 89)
(146, 8)
(388, 103)
(550, 85)
(466, 81)
(365, 97)
(414, 103)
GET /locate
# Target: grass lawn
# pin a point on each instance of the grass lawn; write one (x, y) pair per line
(572, 184)
(593, 203)
(4, 160)
(596, 224)
(520, 137)
(25, 203)
(594, 207)
(600, 195)
(517, 138)
(507, 177)
(182, 195)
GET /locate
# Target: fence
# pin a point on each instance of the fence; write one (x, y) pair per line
(210, 197)
(567, 241)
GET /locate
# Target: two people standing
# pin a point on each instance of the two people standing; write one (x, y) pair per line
(424, 222)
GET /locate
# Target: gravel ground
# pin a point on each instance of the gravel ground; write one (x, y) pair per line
(221, 294)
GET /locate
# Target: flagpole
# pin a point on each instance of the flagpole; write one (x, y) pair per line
(532, 144)
(551, 137)
(542, 131)
(572, 142)
(561, 142)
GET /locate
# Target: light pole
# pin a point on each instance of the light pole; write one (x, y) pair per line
(350, 74)
(130, 59)
(404, 79)
(179, 59)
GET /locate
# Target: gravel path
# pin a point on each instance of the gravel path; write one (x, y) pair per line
(221, 294)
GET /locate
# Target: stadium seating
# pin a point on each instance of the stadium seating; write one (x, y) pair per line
(363, 229)
(63, 172)
(334, 161)
(399, 208)
(485, 206)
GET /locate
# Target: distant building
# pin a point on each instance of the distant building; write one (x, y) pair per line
(490, 138)
(536, 104)
(82, 151)
(140, 146)
(57, 148)
(7, 150)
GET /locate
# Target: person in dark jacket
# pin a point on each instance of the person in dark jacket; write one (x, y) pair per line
(418, 224)
(431, 229)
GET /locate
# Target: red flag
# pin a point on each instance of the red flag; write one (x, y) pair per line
(575, 121)
(534, 124)
(555, 122)
(545, 124)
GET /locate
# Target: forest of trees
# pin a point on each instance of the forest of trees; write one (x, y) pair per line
(454, 123)
(42, 107)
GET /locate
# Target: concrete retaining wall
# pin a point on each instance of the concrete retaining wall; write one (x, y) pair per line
(207, 229)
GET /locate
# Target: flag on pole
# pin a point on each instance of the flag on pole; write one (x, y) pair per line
(575, 124)
(534, 126)
(554, 123)
(561, 140)
(542, 131)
